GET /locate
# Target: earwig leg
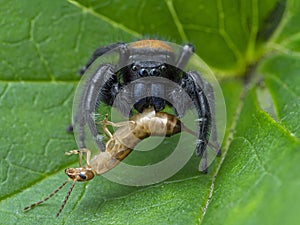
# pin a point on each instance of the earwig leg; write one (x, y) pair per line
(121, 124)
(104, 123)
(79, 152)
(88, 155)
(75, 152)
(107, 132)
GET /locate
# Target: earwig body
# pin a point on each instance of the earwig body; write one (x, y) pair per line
(120, 144)
(129, 134)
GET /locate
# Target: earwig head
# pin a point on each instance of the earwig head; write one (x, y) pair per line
(80, 173)
(76, 174)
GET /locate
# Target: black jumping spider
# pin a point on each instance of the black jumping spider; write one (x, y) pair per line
(148, 74)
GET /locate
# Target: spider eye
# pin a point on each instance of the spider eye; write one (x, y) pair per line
(163, 68)
(143, 72)
(134, 68)
(154, 72)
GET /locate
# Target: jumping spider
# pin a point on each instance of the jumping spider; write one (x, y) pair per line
(148, 74)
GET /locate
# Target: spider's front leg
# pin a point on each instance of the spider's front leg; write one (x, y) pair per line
(200, 101)
(86, 105)
(101, 85)
(122, 48)
(209, 93)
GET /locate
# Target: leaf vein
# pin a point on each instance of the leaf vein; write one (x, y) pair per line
(177, 22)
(80, 32)
(225, 150)
(37, 46)
(106, 19)
(253, 30)
(197, 27)
(223, 32)
(284, 85)
(4, 91)
(281, 49)
(259, 159)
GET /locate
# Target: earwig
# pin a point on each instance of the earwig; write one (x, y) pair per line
(119, 146)
(130, 133)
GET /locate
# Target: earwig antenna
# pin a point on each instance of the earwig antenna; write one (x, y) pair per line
(47, 198)
(66, 198)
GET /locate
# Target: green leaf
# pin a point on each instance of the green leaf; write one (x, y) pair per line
(258, 179)
(255, 181)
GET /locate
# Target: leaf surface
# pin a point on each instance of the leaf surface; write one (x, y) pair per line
(255, 181)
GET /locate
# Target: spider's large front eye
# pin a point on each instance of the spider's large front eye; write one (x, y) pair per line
(163, 68)
(154, 72)
(143, 72)
(134, 68)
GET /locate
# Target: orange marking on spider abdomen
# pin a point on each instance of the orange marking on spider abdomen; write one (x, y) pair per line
(154, 44)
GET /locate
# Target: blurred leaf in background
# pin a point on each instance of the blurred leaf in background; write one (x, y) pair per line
(252, 46)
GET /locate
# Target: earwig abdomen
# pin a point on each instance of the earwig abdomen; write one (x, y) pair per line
(126, 137)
